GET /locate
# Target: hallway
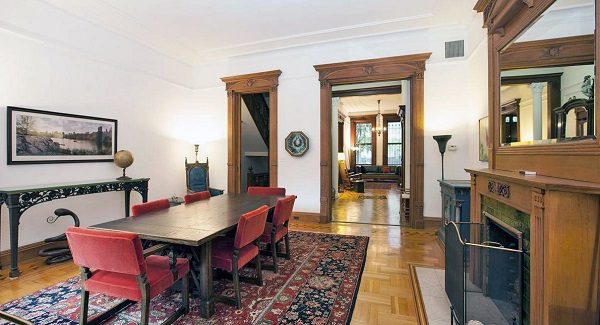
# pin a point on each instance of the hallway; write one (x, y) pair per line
(379, 205)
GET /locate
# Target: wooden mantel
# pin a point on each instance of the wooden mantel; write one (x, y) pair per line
(564, 240)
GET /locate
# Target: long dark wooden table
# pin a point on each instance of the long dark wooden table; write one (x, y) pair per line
(195, 226)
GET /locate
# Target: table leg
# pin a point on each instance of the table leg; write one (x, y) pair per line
(144, 191)
(14, 214)
(207, 303)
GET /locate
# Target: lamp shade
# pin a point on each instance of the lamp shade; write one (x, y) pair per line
(442, 140)
(341, 156)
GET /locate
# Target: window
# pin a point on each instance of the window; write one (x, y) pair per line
(394, 143)
(364, 153)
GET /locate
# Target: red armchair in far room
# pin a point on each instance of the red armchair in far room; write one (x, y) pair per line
(257, 190)
(231, 254)
(148, 207)
(113, 263)
(198, 196)
(277, 230)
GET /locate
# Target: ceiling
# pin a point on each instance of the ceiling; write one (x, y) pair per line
(362, 105)
(199, 30)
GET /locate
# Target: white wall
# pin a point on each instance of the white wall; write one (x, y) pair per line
(449, 104)
(52, 61)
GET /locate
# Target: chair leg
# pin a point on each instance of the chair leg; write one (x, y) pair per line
(236, 280)
(259, 278)
(287, 247)
(145, 310)
(83, 308)
(274, 254)
(145, 288)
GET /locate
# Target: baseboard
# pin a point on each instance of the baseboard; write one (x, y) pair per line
(27, 252)
(309, 217)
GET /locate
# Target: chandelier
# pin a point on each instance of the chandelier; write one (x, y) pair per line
(379, 121)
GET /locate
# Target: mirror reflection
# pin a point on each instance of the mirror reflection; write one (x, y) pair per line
(547, 78)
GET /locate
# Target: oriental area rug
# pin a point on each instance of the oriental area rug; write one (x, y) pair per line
(318, 285)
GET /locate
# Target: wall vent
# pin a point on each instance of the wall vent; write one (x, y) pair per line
(455, 49)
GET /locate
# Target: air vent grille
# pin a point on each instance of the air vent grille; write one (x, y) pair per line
(455, 49)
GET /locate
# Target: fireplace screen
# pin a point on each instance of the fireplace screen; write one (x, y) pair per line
(484, 273)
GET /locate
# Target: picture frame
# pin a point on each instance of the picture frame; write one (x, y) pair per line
(45, 137)
(296, 143)
(483, 139)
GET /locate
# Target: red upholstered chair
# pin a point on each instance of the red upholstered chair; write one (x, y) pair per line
(113, 263)
(277, 230)
(257, 190)
(148, 207)
(231, 254)
(198, 196)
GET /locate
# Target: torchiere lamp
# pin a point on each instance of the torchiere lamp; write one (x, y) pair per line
(442, 140)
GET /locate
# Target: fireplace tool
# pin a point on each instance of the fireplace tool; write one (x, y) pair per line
(61, 253)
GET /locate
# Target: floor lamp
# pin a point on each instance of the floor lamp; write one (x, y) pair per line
(442, 140)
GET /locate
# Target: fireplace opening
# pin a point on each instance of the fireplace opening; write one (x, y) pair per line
(484, 279)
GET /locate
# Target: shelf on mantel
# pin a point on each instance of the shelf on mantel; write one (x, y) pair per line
(539, 181)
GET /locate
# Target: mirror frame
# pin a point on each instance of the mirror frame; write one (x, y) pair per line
(505, 20)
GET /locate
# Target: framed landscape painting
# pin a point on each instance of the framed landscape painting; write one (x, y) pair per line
(42, 137)
(483, 139)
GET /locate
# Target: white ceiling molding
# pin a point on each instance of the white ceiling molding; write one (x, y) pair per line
(106, 16)
(197, 32)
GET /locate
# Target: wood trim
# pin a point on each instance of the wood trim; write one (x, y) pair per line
(368, 92)
(582, 156)
(386, 119)
(411, 67)
(310, 217)
(260, 82)
(363, 119)
(562, 51)
(416, 289)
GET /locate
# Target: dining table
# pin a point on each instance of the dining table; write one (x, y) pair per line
(193, 226)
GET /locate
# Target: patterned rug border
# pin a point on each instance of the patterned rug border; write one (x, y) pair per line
(354, 297)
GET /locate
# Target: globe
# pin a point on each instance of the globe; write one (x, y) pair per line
(123, 159)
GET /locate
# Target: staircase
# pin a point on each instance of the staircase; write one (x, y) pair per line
(258, 106)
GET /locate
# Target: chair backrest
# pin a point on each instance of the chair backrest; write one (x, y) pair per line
(148, 207)
(196, 176)
(250, 226)
(257, 190)
(189, 198)
(283, 210)
(113, 251)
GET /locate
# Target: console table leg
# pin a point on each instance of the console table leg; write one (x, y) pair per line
(14, 214)
(127, 203)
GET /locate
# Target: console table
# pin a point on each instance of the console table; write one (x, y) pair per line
(19, 199)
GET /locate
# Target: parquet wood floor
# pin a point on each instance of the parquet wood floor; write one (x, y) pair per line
(349, 207)
(385, 294)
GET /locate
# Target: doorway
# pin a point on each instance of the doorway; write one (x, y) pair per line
(368, 169)
(410, 67)
(251, 130)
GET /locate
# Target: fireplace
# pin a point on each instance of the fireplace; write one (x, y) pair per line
(484, 271)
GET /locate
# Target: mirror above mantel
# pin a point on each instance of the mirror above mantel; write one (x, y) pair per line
(547, 78)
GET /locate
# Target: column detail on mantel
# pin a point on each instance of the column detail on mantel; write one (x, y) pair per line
(537, 89)
(537, 253)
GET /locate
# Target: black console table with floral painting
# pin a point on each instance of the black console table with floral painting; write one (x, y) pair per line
(19, 199)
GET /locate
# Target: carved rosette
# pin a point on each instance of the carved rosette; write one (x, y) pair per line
(499, 188)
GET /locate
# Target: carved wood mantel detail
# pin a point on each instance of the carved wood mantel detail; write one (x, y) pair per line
(236, 86)
(392, 68)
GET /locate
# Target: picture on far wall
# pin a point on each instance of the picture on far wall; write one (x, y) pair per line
(42, 137)
(483, 139)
